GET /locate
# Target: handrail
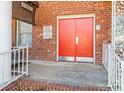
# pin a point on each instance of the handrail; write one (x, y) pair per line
(117, 57)
(19, 64)
(115, 71)
(13, 50)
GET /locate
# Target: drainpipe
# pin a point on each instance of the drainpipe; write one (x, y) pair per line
(5, 40)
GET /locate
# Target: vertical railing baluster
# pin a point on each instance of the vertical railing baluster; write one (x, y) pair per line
(118, 75)
(115, 74)
(27, 61)
(122, 76)
(22, 60)
(120, 67)
(18, 61)
(14, 69)
(117, 84)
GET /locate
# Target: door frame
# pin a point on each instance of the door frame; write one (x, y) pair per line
(75, 16)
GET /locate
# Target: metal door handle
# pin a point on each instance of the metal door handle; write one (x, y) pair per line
(77, 39)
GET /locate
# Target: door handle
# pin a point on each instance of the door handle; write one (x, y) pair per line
(77, 39)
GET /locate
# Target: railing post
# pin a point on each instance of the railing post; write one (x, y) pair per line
(27, 61)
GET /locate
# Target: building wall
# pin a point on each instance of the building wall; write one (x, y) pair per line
(46, 15)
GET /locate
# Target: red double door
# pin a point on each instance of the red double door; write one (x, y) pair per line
(76, 39)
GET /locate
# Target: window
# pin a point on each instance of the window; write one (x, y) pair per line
(24, 33)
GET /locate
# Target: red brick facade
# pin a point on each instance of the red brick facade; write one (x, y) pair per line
(46, 15)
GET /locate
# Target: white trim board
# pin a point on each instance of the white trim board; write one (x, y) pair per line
(75, 16)
(66, 58)
(40, 62)
(84, 59)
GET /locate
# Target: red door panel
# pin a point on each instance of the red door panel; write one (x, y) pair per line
(67, 37)
(84, 32)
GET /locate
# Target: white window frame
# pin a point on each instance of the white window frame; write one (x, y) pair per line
(17, 35)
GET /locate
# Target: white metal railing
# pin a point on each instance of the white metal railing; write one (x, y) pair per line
(115, 71)
(19, 64)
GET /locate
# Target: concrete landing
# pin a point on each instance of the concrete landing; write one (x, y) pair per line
(69, 73)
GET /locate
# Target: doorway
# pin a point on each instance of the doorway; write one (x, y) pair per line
(76, 39)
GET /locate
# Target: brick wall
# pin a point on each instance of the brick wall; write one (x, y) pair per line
(46, 15)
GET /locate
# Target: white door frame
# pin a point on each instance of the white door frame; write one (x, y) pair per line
(74, 16)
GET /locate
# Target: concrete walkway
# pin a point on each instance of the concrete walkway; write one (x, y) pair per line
(69, 73)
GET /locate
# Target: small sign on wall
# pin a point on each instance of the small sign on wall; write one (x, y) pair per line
(47, 32)
(98, 27)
